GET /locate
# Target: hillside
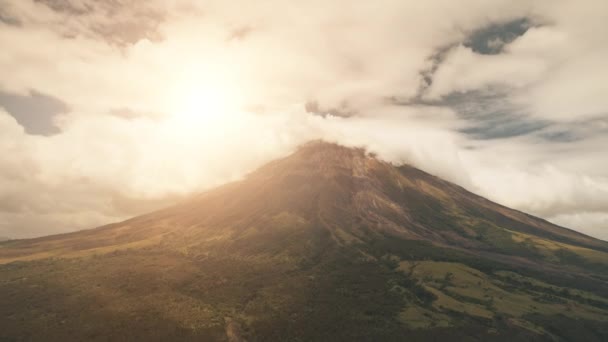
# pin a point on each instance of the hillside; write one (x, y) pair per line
(329, 243)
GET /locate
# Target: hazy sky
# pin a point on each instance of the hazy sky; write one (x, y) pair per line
(112, 108)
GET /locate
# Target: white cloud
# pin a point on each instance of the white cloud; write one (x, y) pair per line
(593, 224)
(464, 70)
(103, 167)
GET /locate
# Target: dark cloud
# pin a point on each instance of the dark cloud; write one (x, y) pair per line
(343, 110)
(488, 112)
(129, 32)
(492, 39)
(491, 115)
(561, 136)
(36, 112)
(124, 22)
(488, 40)
(68, 7)
(435, 59)
(575, 131)
(8, 19)
(503, 125)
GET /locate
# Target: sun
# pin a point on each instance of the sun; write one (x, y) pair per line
(203, 96)
(202, 104)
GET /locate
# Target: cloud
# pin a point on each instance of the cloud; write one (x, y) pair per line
(36, 112)
(491, 40)
(464, 70)
(506, 98)
(593, 224)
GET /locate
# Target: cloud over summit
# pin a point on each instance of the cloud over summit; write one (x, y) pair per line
(506, 98)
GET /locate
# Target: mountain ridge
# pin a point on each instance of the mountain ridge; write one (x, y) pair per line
(402, 252)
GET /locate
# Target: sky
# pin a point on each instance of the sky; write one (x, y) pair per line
(110, 109)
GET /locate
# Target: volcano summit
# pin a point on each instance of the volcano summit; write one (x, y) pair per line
(327, 244)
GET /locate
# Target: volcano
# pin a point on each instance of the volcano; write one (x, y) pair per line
(327, 244)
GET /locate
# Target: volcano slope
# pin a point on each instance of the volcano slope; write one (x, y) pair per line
(327, 244)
